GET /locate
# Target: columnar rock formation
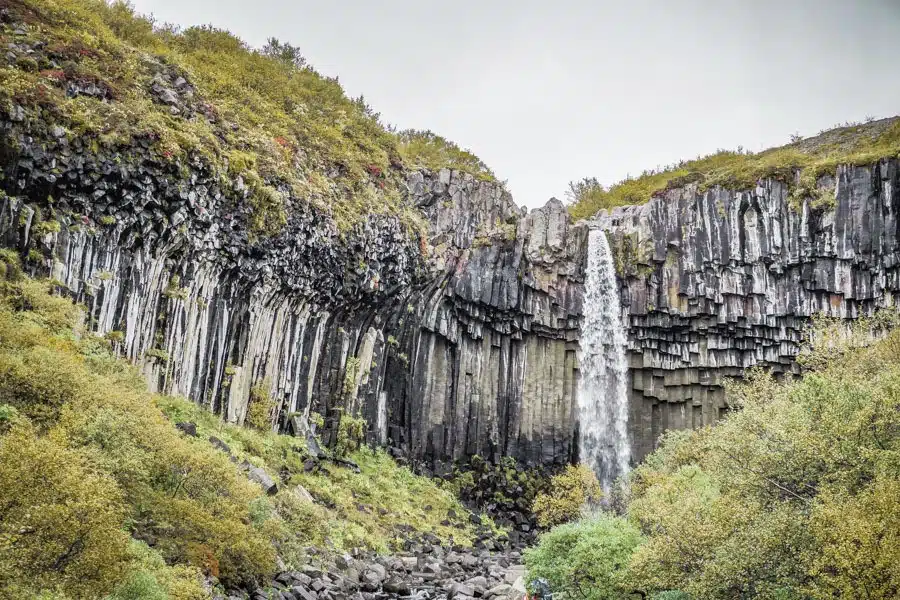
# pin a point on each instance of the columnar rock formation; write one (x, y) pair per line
(460, 343)
(716, 281)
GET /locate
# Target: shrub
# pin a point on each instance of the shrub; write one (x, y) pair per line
(351, 435)
(62, 520)
(793, 496)
(260, 408)
(569, 492)
(586, 559)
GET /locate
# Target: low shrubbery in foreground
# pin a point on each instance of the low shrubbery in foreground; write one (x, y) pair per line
(100, 494)
(794, 496)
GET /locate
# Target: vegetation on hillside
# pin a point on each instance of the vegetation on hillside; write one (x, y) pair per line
(101, 494)
(90, 67)
(568, 493)
(426, 149)
(796, 495)
(856, 144)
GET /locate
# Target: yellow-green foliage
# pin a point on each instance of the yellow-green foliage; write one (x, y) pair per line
(351, 435)
(263, 114)
(106, 445)
(569, 492)
(88, 457)
(391, 495)
(857, 145)
(586, 559)
(429, 150)
(61, 519)
(792, 496)
(369, 508)
(260, 408)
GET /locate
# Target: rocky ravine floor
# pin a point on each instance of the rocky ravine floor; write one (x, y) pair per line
(426, 572)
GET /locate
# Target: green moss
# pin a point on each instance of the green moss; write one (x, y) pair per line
(107, 220)
(174, 290)
(631, 256)
(44, 227)
(159, 354)
(287, 130)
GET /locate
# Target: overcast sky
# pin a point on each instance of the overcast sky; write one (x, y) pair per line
(549, 91)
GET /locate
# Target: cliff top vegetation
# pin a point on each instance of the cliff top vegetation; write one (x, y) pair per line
(114, 78)
(853, 143)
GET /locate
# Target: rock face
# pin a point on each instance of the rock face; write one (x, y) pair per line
(456, 342)
(718, 281)
(459, 343)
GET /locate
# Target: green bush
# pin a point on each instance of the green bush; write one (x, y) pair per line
(61, 519)
(793, 496)
(586, 559)
(569, 492)
(260, 408)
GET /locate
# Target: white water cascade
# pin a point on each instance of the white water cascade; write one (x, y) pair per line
(602, 390)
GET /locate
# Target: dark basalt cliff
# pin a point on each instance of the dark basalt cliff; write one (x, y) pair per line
(719, 280)
(460, 341)
(463, 342)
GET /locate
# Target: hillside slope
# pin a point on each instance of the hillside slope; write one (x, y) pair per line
(101, 493)
(100, 74)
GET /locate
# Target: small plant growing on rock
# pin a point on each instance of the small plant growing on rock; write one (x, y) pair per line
(174, 289)
(159, 354)
(351, 435)
(261, 407)
(569, 492)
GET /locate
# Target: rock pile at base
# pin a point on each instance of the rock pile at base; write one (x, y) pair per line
(425, 572)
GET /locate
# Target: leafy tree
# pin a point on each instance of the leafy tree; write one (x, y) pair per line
(286, 53)
(569, 492)
(586, 559)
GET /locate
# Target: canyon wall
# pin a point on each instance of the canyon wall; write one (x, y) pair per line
(460, 342)
(716, 281)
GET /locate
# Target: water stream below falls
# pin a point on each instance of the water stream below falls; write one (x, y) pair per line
(603, 387)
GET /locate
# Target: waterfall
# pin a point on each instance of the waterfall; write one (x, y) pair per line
(602, 390)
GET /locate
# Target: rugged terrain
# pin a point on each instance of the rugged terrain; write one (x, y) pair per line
(436, 309)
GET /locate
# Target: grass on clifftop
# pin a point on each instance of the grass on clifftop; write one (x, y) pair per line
(859, 144)
(263, 114)
(101, 496)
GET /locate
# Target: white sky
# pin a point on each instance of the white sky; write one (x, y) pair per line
(546, 92)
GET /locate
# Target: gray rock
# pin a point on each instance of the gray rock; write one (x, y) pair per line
(260, 476)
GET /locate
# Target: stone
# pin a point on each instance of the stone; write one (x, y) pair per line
(395, 585)
(188, 428)
(457, 590)
(302, 593)
(259, 475)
